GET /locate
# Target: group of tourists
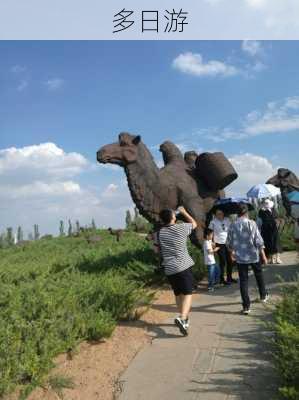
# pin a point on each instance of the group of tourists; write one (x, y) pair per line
(241, 242)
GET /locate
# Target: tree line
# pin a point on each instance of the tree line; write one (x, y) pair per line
(9, 237)
(134, 223)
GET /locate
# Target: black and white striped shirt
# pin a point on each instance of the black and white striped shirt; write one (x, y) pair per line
(173, 247)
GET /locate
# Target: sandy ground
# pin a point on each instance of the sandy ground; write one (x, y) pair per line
(95, 368)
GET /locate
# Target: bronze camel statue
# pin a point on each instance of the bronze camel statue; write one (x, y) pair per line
(152, 188)
(287, 181)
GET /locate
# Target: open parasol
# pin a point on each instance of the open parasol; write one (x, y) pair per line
(231, 205)
(262, 191)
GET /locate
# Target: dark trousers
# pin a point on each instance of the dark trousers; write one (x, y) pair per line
(243, 277)
(224, 260)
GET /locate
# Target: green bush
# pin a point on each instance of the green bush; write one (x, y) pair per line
(199, 269)
(287, 238)
(56, 293)
(38, 320)
(286, 342)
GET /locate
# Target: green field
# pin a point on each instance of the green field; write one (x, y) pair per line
(57, 292)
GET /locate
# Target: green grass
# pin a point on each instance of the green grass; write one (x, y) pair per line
(59, 382)
(286, 342)
(287, 238)
(57, 292)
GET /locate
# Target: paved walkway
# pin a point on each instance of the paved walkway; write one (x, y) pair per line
(225, 357)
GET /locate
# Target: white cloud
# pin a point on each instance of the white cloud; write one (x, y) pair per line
(193, 64)
(40, 188)
(54, 84)
(252, 170)
(252, 47)
(38, 184)
(45, 160)
(110, 167)
(292, 103)
(110, 190)
(278, 117)
(22, 85)
(160, 163)
(183, 147)
(258, 67)
(255, 50)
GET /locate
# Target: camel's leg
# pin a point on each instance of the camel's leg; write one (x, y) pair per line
(195, 207)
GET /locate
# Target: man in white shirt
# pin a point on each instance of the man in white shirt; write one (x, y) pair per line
(220, 226)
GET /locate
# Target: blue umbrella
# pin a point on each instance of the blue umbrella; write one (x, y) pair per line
(294, 196)
(231, 205)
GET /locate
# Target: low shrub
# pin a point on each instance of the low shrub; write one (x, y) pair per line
(287, 238)
(199, 269)
(286, 342)
(42, 318)
(60, 292)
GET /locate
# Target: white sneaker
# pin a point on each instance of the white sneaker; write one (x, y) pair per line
(278, 260)
(265, 300)
(246, 311)
(187, 322)
(182, 325)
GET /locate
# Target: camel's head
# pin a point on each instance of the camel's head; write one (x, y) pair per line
(283, 178)
(274, 181)
(121, 153)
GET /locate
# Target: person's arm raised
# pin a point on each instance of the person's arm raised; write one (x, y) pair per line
(188, 217)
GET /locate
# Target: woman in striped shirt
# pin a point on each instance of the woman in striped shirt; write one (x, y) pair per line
(177, 262)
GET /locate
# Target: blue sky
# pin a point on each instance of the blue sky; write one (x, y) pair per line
(241, 98)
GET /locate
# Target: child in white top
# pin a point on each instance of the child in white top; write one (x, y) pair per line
(209, 258)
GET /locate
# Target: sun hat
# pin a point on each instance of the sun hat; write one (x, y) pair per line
(268, 203)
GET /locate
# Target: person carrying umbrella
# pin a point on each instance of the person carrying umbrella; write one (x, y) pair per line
(269, 231)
